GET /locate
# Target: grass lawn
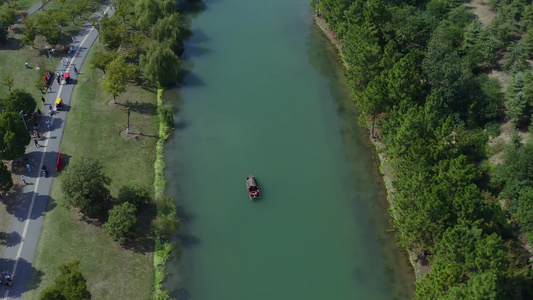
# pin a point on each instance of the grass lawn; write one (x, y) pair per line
(13, 55)
(22, 5)
(93, 129)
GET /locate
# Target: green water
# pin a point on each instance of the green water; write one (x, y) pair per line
(266, 95)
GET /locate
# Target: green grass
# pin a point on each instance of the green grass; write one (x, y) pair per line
(13, 55)
(22, 5)
(93, 129)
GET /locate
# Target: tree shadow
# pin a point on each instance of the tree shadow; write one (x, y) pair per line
(10, 239)
(196, 51)
(11, 44)
(142, 108)
(143, 239)
(191, 6)
(24, 278)
(189, 79)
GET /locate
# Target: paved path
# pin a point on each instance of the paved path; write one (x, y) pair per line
(25, 228)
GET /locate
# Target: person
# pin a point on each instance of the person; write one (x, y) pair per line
(35, 126)
(75, 70)
(39, 112)
(27, 65)
(23, 179)
(47, 124)
(43, 100)
(36, 142)
(44, 171)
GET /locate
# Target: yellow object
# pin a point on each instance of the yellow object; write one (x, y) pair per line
(59, 101)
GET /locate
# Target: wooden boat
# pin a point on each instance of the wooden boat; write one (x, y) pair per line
(252, 187)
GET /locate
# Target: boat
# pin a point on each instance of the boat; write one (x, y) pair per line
(252, 187)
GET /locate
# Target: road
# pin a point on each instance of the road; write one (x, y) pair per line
(18, 252)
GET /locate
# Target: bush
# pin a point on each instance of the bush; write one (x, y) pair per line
(167, 115)
(493, 129)
(121, 221)
(70, 284)
(137, 196)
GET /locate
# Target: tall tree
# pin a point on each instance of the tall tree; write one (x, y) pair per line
(85, 186)
(149, 11)
(160, 64)
(19, 100)
(13, 136)
(116, 77)
(29, 32)
(101, 59)
(171, 30)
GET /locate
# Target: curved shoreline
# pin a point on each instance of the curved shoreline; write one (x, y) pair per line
(387, 180)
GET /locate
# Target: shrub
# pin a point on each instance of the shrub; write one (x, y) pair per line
(121, 221)
(136, 195)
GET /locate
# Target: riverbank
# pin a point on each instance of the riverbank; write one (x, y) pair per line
(419, 267)
(94, 127)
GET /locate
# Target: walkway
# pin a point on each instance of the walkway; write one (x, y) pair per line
(25, 228)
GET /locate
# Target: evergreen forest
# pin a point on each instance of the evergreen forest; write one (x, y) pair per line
(450, 99)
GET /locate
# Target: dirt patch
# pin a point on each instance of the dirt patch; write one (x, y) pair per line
(502, 77)
(112, 104)
(482, 10)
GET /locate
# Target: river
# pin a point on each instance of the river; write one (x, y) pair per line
(266, 95)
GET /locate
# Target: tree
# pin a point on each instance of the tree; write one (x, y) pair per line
(488, 103)
(136, 195)
(19, 100)
(149, 11)
(112, 32)
(102, 59)
(6, 182)
(13, 136)
(172, 30)
(10, 16)
(8, 81)
(123, 8)
(121, 221)
(116, 77)
(30, 32)
(465, 256)
(160, 64)
(517, 101)
(70, 284)
(48, 27)
(85, 186)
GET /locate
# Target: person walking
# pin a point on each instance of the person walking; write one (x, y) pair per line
(58, 80)
(68, 61)
(23, 179)
(43, 100)
(29, 167)
(61, 74)
(36, 142)
(75, 70)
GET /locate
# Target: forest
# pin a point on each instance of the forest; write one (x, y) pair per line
(421, 75)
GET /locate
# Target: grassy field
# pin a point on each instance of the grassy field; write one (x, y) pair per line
(93, 128)
(22, 5)
(13, 54)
